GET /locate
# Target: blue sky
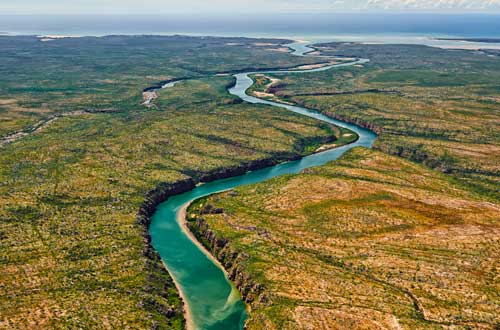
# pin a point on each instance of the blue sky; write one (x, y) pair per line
(231, 6)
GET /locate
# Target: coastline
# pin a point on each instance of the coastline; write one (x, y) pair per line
(174, 309)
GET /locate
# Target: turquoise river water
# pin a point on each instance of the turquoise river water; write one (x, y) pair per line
(212, 301)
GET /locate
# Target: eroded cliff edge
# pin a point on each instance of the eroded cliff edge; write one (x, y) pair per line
(160, 295)
(233, 261)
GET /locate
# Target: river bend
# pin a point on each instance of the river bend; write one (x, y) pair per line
(212, 301)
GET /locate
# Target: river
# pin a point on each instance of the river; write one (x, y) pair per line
(212, 301)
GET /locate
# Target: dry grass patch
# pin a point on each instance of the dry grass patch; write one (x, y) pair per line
(368, 242)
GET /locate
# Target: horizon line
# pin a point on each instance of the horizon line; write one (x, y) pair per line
(450, 13)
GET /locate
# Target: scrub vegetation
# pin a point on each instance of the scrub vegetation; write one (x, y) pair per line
(376, 241)
(370, 241)
(73, 255)
(435, 106)
(40, 79)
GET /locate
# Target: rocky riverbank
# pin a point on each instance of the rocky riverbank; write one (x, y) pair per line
(231, 259)
(160, 282)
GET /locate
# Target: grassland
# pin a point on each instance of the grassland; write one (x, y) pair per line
(40, 79)
(73, 255)
(439, 107)
(370, 241)
(376, 241)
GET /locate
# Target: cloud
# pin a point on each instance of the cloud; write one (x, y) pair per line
(238, 6)
(452, 5)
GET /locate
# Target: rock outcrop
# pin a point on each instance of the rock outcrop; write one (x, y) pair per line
(232, 260)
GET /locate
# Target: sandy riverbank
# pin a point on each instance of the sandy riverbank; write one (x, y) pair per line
(181, 219)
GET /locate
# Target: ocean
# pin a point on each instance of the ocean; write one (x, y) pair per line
(392, 28)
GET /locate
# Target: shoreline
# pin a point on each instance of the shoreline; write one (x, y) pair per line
(181, 219)
(187, 316)
(431, 39)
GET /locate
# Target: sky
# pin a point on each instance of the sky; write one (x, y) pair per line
(248, 6)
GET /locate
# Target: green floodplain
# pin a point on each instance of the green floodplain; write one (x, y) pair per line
(74, 254)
